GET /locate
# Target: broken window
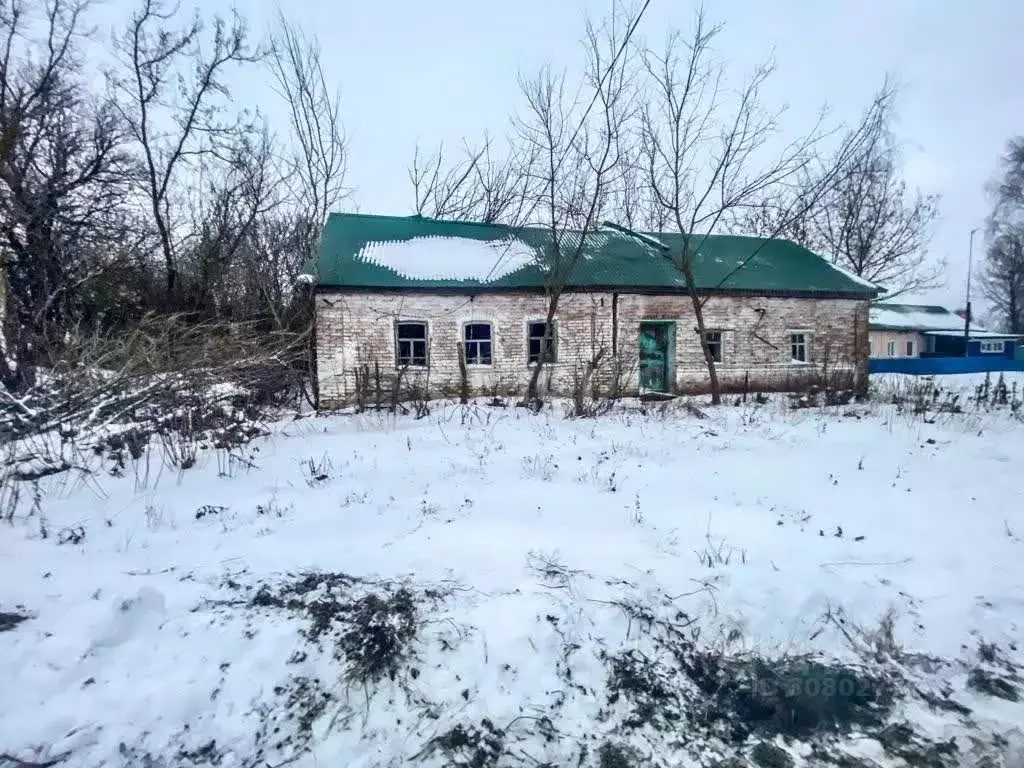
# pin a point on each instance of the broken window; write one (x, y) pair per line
(535, 342)
(714, 341)
(798, 347)
(411, 344)
(477, 339)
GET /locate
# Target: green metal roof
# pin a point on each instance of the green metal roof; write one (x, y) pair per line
(361, 251)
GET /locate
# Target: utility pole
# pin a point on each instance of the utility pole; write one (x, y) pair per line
(967, 313)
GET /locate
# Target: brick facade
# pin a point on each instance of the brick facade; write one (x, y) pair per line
(355, 338)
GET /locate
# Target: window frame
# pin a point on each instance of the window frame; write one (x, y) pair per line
(465, 342)
(890, 349)
(806, 344)
(721, 344)
(911, 348)
(412, 340)
(985, 346)
(540, 340)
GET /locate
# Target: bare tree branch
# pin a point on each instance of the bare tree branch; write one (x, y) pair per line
(1002, 277)
(174, 117)
(318, 162)
(709, 154)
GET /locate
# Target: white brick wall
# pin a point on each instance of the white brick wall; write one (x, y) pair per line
(356, 332)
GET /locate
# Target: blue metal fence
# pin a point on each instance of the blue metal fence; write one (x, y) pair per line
(928, 366)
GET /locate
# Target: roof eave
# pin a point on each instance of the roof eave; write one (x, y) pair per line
(598, 288)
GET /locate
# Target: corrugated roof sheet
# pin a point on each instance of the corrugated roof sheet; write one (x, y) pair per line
(364, 251)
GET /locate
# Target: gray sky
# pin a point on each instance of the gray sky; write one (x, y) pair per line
(446, 69)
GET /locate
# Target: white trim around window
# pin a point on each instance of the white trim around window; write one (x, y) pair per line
(993, 347)
(478, 343)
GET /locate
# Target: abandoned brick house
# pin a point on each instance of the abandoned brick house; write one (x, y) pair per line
(443, 306)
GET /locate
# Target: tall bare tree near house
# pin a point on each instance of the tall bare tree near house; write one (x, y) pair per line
(171, 92)
(1010, 189)
(871, 224)
(476, 185)
(317, 159)
(23, 86)
(232, 195)
(711, 152)
(577, 152)
(773, 215)
(1002, 277)
(24, 81)
(63, 185)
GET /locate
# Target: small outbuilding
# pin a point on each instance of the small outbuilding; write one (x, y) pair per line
(446, 307)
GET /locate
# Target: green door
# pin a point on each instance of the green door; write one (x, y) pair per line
(657, 343)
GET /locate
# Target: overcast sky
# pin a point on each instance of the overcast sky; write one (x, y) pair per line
(415, 70)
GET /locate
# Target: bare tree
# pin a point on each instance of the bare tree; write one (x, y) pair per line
(65, 173)
(232, 196)
(577, 156)
(171, 94)
(775, 215)
(1002, 278)
(1010, 191)
(275, 253)
(25, 80)
(475, 186)
(872, 225)
(709, 155)
(315, 167)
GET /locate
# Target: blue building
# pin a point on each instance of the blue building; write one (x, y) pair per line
(904, 337)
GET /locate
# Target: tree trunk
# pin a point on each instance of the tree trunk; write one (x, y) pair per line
(531, 389)
(698, 312)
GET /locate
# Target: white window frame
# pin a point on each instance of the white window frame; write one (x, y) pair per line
(871, 348)
(992, 347)
(412, 340)
(806, 343)
(721, 343)
(466, 342)
(890, 349)
(554, 341)
(911, 348)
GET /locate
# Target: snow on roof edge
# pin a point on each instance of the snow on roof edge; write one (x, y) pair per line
(855, 277)
(975, 333)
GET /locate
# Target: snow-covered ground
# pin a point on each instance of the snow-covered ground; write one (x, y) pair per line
(512, 563)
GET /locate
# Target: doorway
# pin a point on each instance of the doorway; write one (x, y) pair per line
(657, 355)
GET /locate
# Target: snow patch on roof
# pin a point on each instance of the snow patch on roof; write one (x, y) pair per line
(450, 258)
(917, 317)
